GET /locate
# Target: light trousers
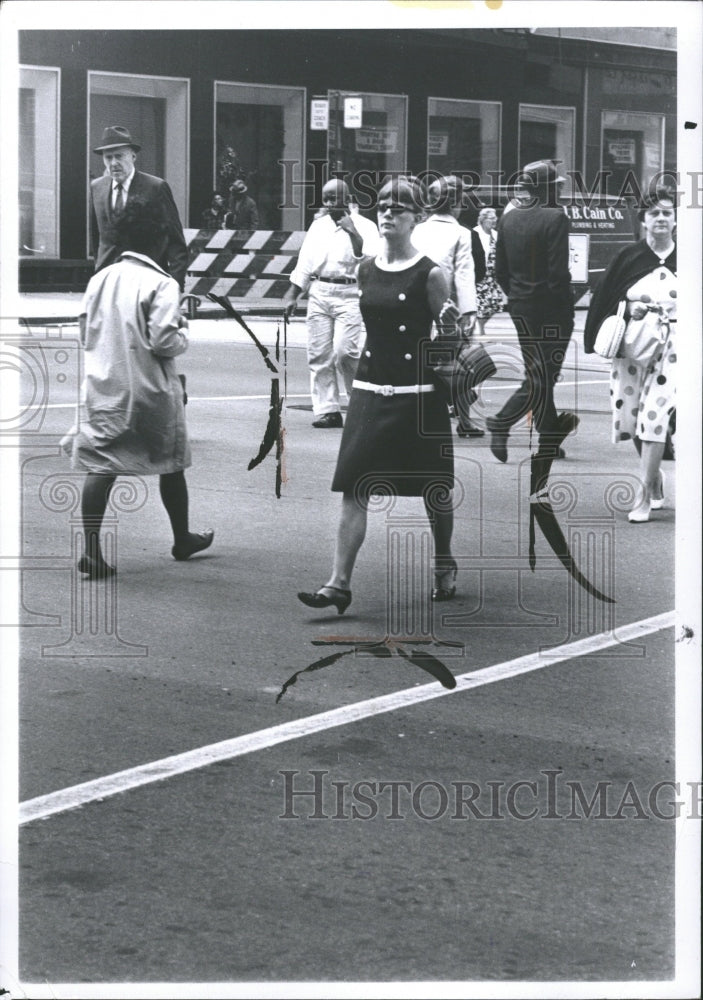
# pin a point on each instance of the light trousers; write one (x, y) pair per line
(335, 332)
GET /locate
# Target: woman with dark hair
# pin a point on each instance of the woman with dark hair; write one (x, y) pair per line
(643, 392)
(397, 437)
(132, 418)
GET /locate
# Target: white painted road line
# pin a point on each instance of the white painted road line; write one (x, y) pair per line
(306, 395)
(169, 767)
(191, 399)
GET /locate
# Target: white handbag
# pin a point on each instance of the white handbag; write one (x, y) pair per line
(643, 337)
(610, 333)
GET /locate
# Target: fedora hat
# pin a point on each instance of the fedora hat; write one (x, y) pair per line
(114, 136)
(540, 172)
(239, 187)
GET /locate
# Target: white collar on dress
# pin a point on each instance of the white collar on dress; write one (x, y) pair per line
(398, 265)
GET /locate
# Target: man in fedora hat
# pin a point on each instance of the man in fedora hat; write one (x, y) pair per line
(532, 268)
(111, 192)
(243, 213)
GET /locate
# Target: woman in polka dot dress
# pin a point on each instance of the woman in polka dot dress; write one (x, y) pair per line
(397, 437)
(642, 394)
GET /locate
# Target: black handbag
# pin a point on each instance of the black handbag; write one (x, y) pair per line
(457, 367)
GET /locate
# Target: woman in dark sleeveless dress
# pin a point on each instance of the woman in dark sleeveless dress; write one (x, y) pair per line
(397, 436)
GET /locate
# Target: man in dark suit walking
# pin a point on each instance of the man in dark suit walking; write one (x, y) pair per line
(110, 193)
(532, 268)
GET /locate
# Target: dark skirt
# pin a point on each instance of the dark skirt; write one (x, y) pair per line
(395, 445)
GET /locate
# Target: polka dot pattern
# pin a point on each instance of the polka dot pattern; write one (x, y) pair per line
(643, 397)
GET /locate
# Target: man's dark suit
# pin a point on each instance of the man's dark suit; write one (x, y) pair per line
(532, 268)
(151, 189)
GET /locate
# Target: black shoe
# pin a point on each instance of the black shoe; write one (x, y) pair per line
(444, 578)
(329, 420)
(499, 439)
(567, 422)
(95, 569)
(468, 429)
(197, 541)
(340, 599)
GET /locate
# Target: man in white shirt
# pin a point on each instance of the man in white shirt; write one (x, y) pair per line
(326, 269)
(444, 241)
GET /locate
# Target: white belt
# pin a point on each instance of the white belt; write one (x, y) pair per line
(391, 390)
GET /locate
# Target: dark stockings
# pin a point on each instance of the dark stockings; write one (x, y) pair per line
(174, 497)
(95, 496)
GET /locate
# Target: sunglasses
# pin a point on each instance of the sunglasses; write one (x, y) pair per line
(387, 206)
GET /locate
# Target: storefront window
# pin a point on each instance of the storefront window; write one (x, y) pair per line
(368, 137)
(463, 136)
(38, 162)
(547, 133)
(632, 149)
(258, 127)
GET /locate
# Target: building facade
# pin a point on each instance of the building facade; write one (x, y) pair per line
(280, 108)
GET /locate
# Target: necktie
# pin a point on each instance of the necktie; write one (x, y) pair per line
(119, 199)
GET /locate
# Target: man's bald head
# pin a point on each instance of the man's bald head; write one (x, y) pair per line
(336, 191)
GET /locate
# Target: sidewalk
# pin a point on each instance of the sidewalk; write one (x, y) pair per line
(212, 325)
(48, 307)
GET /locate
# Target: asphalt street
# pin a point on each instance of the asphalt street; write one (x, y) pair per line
(218, 870)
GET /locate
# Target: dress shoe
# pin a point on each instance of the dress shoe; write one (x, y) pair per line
(640, 513)
(657, 501)
(567, 422)
(499, 439)
(336, 596)
(329, 420)
(95, 569)
(467, 428)
(197, 541)
(444, 578)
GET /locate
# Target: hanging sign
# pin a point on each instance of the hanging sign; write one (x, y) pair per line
(319, 115)
(352, 112)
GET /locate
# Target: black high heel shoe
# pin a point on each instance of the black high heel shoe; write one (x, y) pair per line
(340, 599)
(447, 574)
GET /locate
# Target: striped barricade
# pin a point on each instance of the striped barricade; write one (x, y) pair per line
(250, 267)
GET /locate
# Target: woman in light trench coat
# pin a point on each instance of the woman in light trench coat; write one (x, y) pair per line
(132, 417)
